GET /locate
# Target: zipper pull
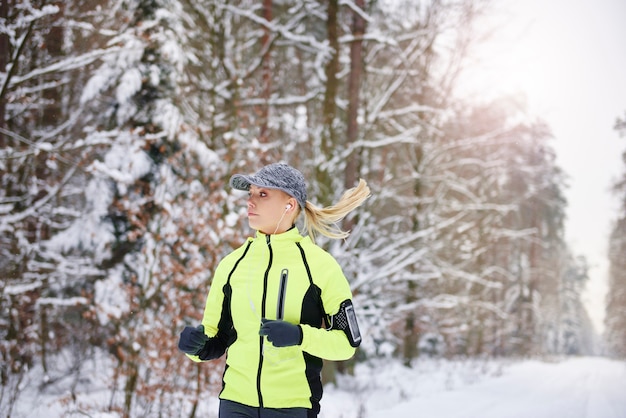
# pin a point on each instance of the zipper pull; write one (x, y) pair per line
(282, 292)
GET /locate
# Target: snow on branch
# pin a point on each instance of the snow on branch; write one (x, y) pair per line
(18, 289)
(65, 65)
(283, 101)
(75, 301)
(282, 30)
(356, 9)
(32, 210)
(512, 233)
(474, 278)
(406, 110)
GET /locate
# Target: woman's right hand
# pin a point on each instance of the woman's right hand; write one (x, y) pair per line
(192, 340)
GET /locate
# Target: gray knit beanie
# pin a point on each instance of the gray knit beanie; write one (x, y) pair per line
(278, 176)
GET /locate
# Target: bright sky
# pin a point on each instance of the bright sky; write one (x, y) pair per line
(568, 57)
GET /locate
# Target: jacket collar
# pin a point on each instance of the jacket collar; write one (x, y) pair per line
(291, 235)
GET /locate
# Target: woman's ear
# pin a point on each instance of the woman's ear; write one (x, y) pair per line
(290, 205)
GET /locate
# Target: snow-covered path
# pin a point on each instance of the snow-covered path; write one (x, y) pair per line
(574, 388)
(577, 387)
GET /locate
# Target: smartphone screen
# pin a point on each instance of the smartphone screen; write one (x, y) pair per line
(353, 325)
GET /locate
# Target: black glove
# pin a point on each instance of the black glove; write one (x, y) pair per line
(281, 333)
(192, 340)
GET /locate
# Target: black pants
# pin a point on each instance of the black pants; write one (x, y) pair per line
(230, 409)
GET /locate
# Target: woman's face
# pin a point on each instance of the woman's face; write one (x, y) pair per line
(268, 212)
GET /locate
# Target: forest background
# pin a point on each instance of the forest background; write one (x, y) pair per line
(121, 122)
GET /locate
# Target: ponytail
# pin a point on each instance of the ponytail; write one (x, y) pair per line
(324, 220)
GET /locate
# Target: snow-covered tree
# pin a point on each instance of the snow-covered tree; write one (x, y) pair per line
(615, 320)
(122, 122)
(47, 51)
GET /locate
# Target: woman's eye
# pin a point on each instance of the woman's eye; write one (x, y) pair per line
(259, 194)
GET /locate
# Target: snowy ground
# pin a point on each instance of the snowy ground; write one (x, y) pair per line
(576, 387)
(569, 388)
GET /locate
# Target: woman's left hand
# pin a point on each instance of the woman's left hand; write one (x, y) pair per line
(281, 333)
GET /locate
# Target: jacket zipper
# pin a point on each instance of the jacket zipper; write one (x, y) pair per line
(282, 293)
(261, 340)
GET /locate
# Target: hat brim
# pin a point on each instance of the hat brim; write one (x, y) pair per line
(241, 182)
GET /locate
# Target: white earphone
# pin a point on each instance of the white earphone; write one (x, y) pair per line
(287, 207)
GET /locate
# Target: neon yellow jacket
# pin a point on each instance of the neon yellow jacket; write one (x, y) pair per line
(245, 288)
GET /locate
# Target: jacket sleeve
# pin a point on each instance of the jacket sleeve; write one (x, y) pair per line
(213, 319)
(328, 344)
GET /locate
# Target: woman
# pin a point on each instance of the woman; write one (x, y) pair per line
(279, 303)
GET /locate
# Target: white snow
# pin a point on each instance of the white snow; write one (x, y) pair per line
(110, 298)
(574, 387)
(585, 387)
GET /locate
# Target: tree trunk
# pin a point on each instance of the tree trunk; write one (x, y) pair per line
(129, 389)
(267, 73)
(332, 67)
(354, 85)
(4, 60)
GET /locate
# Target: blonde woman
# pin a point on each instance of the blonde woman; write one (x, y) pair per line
(279, 304)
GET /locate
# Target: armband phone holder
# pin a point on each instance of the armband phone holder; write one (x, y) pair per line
(345, 320)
